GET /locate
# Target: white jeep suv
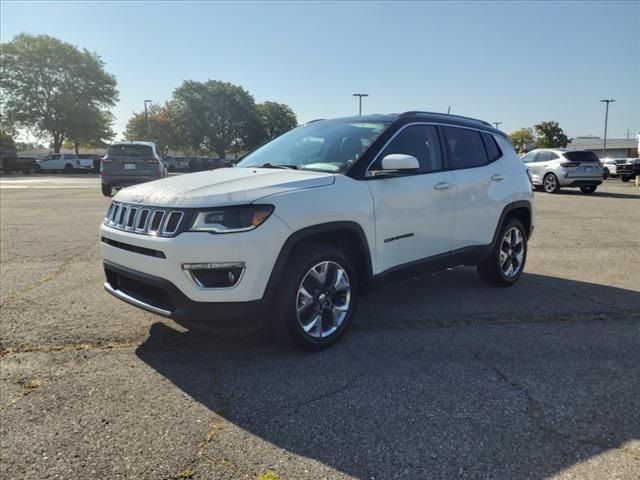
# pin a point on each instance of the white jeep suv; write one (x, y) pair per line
(291, 236)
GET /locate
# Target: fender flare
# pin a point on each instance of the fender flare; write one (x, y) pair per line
(300, 235)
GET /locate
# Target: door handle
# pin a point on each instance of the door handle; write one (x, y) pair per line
(497, 177)
(442, 186)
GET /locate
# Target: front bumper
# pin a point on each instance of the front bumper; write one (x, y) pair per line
(161, 297)
(164, 257)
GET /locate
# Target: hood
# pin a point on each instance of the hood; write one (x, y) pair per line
(223, 186)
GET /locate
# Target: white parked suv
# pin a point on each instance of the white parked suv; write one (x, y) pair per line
(291, 236)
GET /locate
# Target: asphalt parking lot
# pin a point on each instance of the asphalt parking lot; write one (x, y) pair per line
(441, 376)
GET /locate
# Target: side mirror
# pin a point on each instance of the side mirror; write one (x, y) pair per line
(400, 161)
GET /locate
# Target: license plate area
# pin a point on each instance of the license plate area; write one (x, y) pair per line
(129, 166)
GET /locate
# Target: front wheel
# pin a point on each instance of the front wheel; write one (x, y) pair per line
(106, 190)
(317, 300)
(506, 262)
(550, 183)
(589, 189)
(605, 173)
(625, 179)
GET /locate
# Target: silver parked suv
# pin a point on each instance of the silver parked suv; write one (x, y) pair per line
(130, 163)
(553, 168)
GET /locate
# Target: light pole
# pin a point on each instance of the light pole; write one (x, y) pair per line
(360, 95)
(146, 116)
(606, 119)
(497, 124)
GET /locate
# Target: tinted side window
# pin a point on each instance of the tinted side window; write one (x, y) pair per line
(493, 151)
(421, 141)
(552, 155)
(529, 157)
(543, 157)
(466, 149)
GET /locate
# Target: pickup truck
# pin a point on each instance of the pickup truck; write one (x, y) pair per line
(65, 162)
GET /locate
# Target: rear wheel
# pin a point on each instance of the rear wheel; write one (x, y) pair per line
(506, 262)
(317, 300)
(588, 189)
(625, 179)
(550, 183)
(106, 190)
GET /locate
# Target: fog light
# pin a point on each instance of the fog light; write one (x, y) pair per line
(215, 275)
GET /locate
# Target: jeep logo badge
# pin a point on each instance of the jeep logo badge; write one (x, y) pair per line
(138, 198)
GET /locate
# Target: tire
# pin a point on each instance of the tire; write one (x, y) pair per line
(625, 179)
(605, 173)
(588, 190)
(495, 270)
(26, 171)
(68, 168)
(550, 183)
(106, 190)
(327, 314)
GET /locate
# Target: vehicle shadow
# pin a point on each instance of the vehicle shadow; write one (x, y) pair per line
(597, 193)
(441, 377)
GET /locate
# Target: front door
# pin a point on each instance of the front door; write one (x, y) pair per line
(414, 212)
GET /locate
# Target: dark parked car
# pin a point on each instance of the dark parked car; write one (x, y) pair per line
(130, 163)
(18, 164)
(629, 170)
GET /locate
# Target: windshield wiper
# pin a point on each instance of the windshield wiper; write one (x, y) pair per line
(271, 165)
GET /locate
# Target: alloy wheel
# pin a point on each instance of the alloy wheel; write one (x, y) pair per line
(550, 183)
(512, 251)
(323, 299)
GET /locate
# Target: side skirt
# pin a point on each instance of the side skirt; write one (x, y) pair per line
(468, 256)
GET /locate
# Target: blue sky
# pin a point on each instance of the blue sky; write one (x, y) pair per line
(519, 63)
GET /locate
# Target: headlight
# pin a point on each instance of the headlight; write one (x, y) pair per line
(231, 219)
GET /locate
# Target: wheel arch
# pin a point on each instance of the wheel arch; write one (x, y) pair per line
(522, 211)
(345, 235)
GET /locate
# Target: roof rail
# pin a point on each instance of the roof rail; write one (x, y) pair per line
(418, 112)
(316, 120)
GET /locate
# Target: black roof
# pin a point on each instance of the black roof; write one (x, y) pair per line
(444, 118)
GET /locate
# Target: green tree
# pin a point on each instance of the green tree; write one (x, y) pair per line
(162, 128)
(550, 135)
(217, 116)
(522, 139)
(90, 129)
(277, 118)
(45, 82)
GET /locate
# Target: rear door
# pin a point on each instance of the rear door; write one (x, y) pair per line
(481, 187)
(130, 160)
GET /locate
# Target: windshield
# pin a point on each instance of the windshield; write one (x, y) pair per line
(328, 146)
(130, 151)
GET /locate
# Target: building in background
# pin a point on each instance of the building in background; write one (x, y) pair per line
(616, 147)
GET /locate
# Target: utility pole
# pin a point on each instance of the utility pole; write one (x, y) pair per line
(606, 118)
(497, 124)
(360, 95)
(146, 116)
(449, 110)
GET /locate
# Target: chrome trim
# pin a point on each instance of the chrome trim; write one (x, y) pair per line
(166, 222)
(143, 228)
(152, 218)
(134, 301)
(188, 267)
